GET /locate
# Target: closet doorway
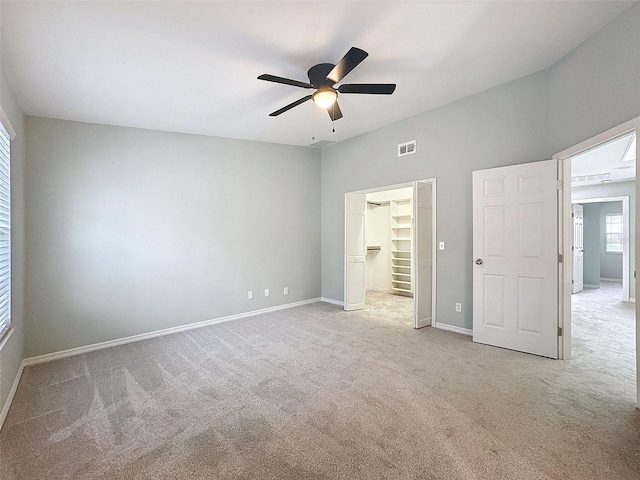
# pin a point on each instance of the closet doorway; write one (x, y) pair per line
(390, 250)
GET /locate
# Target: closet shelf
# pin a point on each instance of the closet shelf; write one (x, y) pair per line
(374, 248)
(402, 289)
(401, 228)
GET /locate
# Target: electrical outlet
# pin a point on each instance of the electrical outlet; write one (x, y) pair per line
(266, 292)
(458, 307)
(250, 295)
(286, 290)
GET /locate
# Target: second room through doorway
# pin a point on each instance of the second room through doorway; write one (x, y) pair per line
(389, 271)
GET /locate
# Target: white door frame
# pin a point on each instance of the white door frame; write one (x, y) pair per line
(411, 184)
(565, 233)
(626, 280)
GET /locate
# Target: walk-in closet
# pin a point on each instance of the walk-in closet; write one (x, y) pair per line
(389, 238)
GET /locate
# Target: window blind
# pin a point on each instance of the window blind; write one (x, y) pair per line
(613, 229)
(5, 231)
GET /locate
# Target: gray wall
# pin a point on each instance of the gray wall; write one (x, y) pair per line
(130, 231)
(591, 271)
(592, 89)
(618, 189)
(12, 352)
(595, 87)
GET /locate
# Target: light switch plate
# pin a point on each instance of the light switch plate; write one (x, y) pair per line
(266, 292)
(441, 246)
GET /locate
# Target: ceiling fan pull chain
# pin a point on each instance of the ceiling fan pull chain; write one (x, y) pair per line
(313, 122)
(333, 121)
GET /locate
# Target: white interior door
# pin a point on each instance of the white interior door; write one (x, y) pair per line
(355, 251)
(515, 251)
(423, 254)
(577, 280)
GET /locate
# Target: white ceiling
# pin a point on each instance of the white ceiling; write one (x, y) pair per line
(192, 66)
(614, 161)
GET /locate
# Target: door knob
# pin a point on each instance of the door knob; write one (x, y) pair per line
(479, 261)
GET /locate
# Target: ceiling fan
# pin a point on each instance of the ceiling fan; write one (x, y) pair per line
(324, 76)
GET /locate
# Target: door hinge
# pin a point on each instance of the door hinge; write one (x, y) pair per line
(559, 185)
(572, 282)
(559, 258)
(559, 331)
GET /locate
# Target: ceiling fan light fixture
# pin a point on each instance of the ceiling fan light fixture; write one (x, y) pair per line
(325, 98)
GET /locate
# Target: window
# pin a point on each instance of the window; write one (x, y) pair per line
(5, 232)
(613, 233)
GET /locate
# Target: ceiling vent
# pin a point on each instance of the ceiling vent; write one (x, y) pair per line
(322, 143)
(406, 148)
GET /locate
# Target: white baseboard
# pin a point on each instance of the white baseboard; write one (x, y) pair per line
(452, 328)
(157, 333)
(379, 289)
(332, 301)
(5, 409)
(589, 285)
(424, 322)
(616, 280)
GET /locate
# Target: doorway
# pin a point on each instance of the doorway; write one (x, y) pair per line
(390, 250)
(603, 251)
(599, 322)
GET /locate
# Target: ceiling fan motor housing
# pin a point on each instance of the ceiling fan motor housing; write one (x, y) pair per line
(318, 75)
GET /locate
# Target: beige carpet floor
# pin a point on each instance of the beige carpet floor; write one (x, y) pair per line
(314, 392)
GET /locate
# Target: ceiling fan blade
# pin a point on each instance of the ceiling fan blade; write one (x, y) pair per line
(290, 106)
(369, 88)
(286, 81)
(350, 61)
(334, 111)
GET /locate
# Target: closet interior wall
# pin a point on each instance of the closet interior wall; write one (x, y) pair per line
(380, 274)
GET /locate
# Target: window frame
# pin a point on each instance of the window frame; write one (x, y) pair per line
(607, 233)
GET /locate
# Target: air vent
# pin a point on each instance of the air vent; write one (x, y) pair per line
(406, 148)
(322, 143)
